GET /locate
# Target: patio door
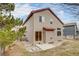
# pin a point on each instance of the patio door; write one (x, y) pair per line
(38, 36)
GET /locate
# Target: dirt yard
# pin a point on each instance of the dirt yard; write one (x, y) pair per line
(68, 48)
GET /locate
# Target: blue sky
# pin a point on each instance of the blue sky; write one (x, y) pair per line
(22, 11)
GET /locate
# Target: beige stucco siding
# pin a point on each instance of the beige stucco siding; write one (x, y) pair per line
(33, 25)
(50, 36)
(47, 16)
(38, 26)
(29, 29)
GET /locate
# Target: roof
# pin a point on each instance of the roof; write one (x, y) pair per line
(39, 10)
(48, 29)
(70, 24)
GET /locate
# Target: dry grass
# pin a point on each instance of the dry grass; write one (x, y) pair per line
(68, 48)
(16, 50)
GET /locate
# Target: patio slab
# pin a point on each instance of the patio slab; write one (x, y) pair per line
(40, 47)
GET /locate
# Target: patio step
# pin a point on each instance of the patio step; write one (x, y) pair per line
(40, 47)
(35, 48)
(45, 46)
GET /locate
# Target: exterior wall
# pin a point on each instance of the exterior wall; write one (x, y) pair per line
(76, 29)
(56, 24)
(70, 32)
(29, 30)
(50, 38)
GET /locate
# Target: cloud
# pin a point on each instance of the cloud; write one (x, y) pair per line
(22, 10)
(61, 12)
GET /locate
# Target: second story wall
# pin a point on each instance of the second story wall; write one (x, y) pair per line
(49, 21)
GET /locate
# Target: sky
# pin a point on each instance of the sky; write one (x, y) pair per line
(22, 10)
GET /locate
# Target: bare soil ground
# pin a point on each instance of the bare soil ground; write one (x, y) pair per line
(16, 49)
(68, 48)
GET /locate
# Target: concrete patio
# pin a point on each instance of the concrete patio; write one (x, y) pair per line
(40, 47)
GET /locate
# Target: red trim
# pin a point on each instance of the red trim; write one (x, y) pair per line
(47, 29)
(35, 11)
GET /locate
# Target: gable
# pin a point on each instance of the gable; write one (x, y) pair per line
(40, 10)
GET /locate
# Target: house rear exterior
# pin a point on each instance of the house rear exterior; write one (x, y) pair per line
(70, 31)
(43, 26)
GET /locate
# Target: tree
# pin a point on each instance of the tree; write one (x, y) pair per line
(7, 22)
(6, 38)
(18, 21)
(20, 33)
(7, 7)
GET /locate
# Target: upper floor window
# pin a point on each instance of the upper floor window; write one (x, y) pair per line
(51, 21)
(41, 19)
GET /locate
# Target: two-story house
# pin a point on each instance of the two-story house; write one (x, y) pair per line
(43, 26)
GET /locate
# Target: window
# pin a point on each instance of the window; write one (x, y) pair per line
(43, 19)
(40, 18)
(50, 21)
(38, 36)
(58, 31)
(58, 28)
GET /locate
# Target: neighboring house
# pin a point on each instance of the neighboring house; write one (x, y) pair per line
(70, 30)
(43, 26)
